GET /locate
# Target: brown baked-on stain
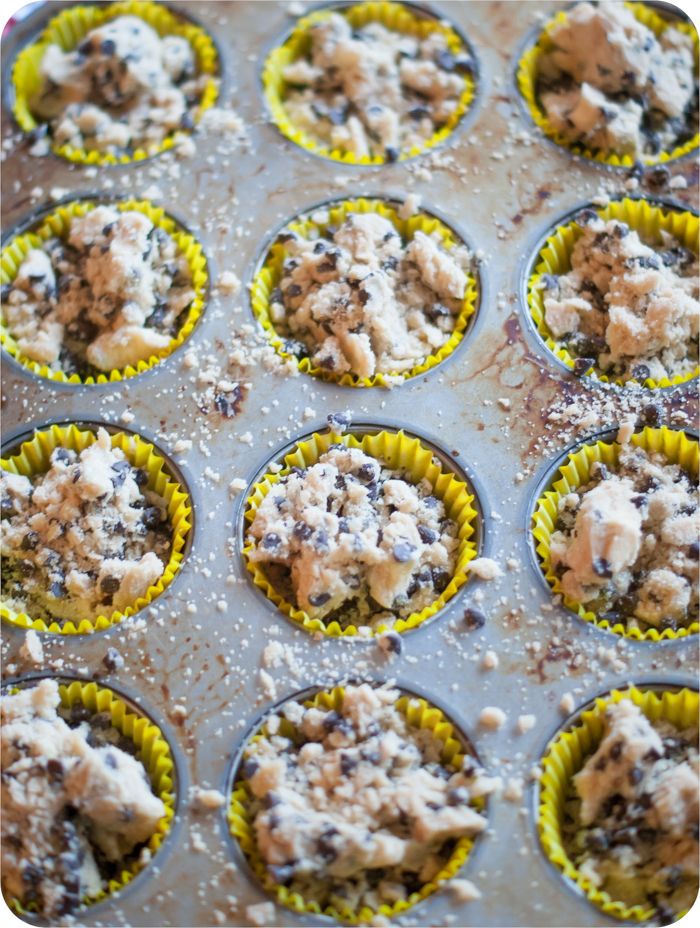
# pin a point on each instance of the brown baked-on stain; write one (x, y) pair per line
(555, 654)
(541, 197)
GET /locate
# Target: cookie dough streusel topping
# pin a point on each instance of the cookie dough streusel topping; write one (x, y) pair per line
(124, 87)
(633, 825)
(112, 295)
(359, 300)
(358, 810)
(372, 91)
(630, 309)
(74, 803)
(83, 539)
(353, 541)
(611, 85)
(626, 542)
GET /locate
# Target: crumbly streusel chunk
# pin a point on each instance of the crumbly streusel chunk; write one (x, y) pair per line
(349, 539)
(85, 538)
(632, 827)
(359, 810)
(629, 308)
(360, 300)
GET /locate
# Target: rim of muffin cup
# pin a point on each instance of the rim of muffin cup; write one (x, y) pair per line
(67, 29)
(397, 449)
(55, 222)
(400, 16)
(571, 470)
(565, 754)
(156, 752)
(269, 273)
(423, 713)
(526, 72)
(31, 458)
(551, 254)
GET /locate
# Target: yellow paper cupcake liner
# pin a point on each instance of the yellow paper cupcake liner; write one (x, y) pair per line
(33, 458)
(567, 753)
(153, 752)
(57, 225)
(271, 273)
(677, 447)
(420, 715)
(69, 27)
(528, 69)
(554, 257)
(394, 16)
(398, 452)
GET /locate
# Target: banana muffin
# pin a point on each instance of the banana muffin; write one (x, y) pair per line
(373, 91)
(611, 85)
(631, 825)
(350, 540)
(76, 801)
(83, 539)
(358, 299)
(356, 808)
(124, 87)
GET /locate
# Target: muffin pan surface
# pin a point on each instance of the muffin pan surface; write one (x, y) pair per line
(500, 407)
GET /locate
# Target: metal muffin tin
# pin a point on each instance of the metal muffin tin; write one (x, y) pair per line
(200, 644)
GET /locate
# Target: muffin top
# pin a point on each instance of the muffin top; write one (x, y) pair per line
(349, 539)
(610, 84)
(628, 308)
(84, 537)
(112, 294)
(358, 299)
(75, 804)
(123, 87)
(625, 542)
(372, 91)
(635, 816)
(357, 808)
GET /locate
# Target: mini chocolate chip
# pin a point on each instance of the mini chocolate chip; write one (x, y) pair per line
(427, 535)
(338, 421)
(111, 760)
(651, 414)
(293, 290)
(474, 618)
(108, 47)
(402, 552)
(616, 751)
(441, 579)
(694, 550)
(459, 796)
(391, 641)
(367, 472)
(659, 175)
(319, 599)
(602, 568)
(113, 660)
(249, 768)
(187, 121)
(635, 775)
(391, 153)
(582, 365)
(110, 584)
(302, 531)
(271, 540)
(347, 764)
(640, 372)
(55, 770)
(30, 541)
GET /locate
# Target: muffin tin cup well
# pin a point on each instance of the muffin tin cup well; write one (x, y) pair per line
(270, 273)
(399, 451)
(648, 219)
(421, 714)
(408, 19)
(526, 80)
(33, 458)
(567, 753)
(69, 27)
(678, 447)
(154, 752)
(57, 225)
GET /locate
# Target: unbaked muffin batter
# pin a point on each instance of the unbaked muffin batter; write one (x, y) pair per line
(611, 85)
(111, 295)
(632, 827)
(123, 87)
(626, 542)
(75, 801)
(630, 309)
(372, 91)
(358, 810)
(85, 538)
(360, 300)
(350, 540)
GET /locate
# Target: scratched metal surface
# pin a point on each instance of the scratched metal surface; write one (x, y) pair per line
(207, 658)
